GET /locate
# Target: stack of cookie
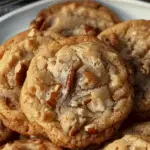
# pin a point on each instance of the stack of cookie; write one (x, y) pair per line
(78, 78)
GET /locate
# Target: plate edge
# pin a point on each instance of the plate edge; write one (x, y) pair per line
(30, 6)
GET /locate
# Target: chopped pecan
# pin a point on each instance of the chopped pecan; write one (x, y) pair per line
(53, 100)
(70, 78)
(67, 88)
(92, 131)
(69, 83)
(73, 131)
(88, 28)
(85, 102)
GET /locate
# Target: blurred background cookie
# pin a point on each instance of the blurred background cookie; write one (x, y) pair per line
(132, 40)
(74, 18)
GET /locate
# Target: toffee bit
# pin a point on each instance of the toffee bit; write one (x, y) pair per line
(70, 78)
(53, 100)
(88, 28)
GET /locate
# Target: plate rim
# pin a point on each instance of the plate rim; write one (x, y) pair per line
(35, 4)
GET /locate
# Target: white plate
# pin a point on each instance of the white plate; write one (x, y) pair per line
(19, 20)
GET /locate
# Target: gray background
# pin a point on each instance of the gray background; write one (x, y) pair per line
(9, 5)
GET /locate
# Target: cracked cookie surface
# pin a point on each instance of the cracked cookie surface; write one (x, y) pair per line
(31, 144)
(16, 57)
(132, 39)
(77, 89)
(74, 18)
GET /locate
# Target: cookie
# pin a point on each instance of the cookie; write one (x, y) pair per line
(13, 66)
(132, 39)
(77, 89)
(129, 142)
(74, 18)
(32, 144)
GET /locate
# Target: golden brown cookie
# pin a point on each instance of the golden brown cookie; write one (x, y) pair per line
(77, 89)
(32, 144)
(129, 142)
(74, 18)
(132, 39)
(13, 66)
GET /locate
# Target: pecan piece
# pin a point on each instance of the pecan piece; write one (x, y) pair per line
(67, 88)
(85, 102)
(69, 83)
(53, 100)
(73, 131)
(92, 131)
(70, 78)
